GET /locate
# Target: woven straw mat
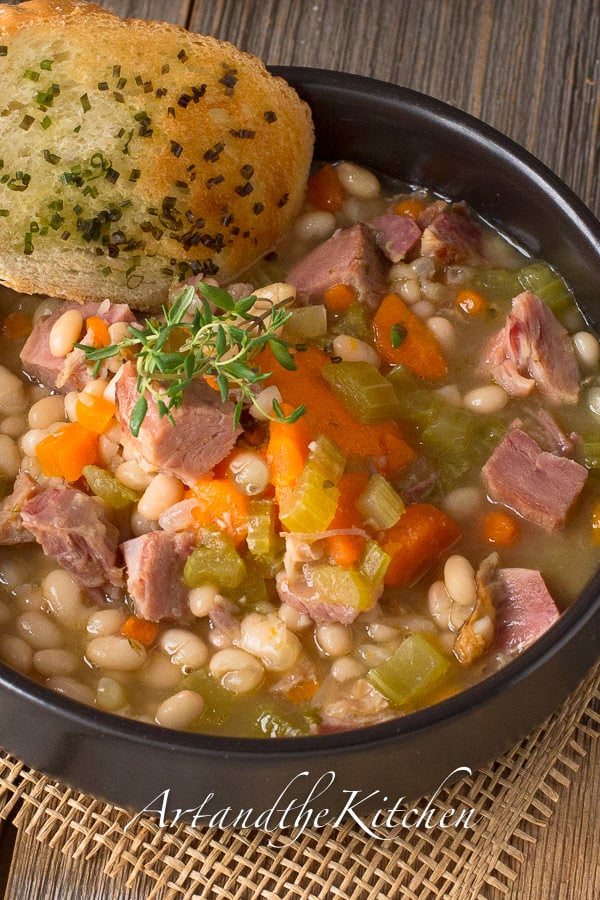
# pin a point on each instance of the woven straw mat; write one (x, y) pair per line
(510, 798)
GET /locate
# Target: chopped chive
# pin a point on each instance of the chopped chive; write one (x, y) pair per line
(46, 122)
(398, 335)
(77, 129)
(28, 244)
(176, 149)
(52, 158)
(31, 74)
(118, 97)
(103, 85)
(26, 122)
(121, 83)
(4, 213)
(112, 175)
(3, 50)
(46, 64)
(135, 174)
(182, 56)
(116, 71)
(85, 102)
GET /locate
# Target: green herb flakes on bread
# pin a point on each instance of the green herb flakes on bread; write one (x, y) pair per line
(134, 153)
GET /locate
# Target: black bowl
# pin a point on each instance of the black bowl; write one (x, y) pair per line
(423, 141)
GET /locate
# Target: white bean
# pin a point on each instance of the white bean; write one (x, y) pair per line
(262, 406)
(47, 411)
(358, 181)
(64, 597)
(10, 457)
(458, 616)
(96, 388)
(201, 599)
(236, 670)
(463, 502)
(107, 450)
(15, 652)
(140, 525)
(293, 618)
(103, 622)
(274, 293)
(487, 399)
(65, 332)
(163, 492)
(117, 331)
(133, 476)
(346, 668)
(54, 662)
(29, 441)
(13, 398)
(14, 426)
(186, 649)
(587, 349)
(180, 710)
(159, 673)
(315, 226)
(29, 596)
(118, 653)
(423, 267)
(380, 632)
(443, 331)
(267, 637)
(423, 309)
(68, 687)
(372, 654)
(250, 472)
(334, 639)
(351, 349)
(38, 630)
(593, 399)
(439, 603)
(110, 695)
(459, 578)
(410, 291)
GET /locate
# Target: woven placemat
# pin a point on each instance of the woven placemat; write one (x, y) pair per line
(518, 791)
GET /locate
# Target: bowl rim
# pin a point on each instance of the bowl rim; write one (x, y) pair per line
(571, 621)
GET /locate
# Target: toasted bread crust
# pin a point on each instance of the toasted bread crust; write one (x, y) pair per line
(134, 153)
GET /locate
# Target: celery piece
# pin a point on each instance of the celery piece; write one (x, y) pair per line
(496, 285)
(306, 322)
(336, 585)
(418, 406)
(540, 279)
(106, 486)
(401, 376)
(408, 675)
(262, 537)
(374, 562)
(218, 701)
(216, 561)
(450, 432)
(252, 595)
(363, 390)
(312, 504)
(278, 720)
(355, 322)
(379, 503)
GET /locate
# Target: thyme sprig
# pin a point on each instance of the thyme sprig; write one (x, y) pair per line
(192, 340)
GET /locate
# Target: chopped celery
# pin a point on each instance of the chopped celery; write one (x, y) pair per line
(312, 504)
(379, 503)
(417, 405)
(252, 594)
(363, 390)
(218, 701)
(540, 279)
(336, 585)
(496, 285)
(306, 322)
(216, 561)
(106, 486)
(278, 719)
(401, 376)
(410, 672)
(373, 563)
(262, 537)
(355, 322)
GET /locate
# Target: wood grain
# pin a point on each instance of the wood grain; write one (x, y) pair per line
(529, 68)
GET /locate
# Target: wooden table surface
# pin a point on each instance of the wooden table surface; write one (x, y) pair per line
(531, 68)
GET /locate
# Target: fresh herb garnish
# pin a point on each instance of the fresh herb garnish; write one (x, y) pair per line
(192, 340)
(398, 335)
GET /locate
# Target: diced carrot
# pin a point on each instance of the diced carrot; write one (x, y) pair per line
(287, 451)
(346, 549)
(99, 329)
(301, 693)
(140, 630)
(211, 382)
(339, 297)
(500, 528)
(16, 325)
(326, 414)
(471, 303)
(402, 338)
(596, 522)
(325, 189)
(67, 451)
(416, 541)
(94, 413)
(409, 207)
(220, 504)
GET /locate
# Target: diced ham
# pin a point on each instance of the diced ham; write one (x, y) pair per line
(534, 350)
(37, 360)
(155, 563)
(351, 257)
(524, 609)
(538, 485)
(431, 212)
(303, 596)
(12, 530)
(395, 235)
(453, 237)
(73, 528)
(202, 435)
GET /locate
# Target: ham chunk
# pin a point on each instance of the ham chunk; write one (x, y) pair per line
(453, 237)
(73, 528)
(396, 235)
(351, 257)
(303, 597)
(538, 485)
(68, 373)
(524, 609)
(155, 563)
(203, 433)
(534, 350)
(12, 530)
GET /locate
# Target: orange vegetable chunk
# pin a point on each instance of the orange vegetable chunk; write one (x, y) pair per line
(287, 451)
(66, 452)
(346, 549)
(501, 529)
(415, 542)
(339, 297)
(140, 630)
(325, 189)
(94, 413)
(410, 206)
(471, 303)
(418, 349)
(221, 505)
(99, 330)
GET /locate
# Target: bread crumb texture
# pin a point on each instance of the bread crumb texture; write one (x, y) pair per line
(134, 153)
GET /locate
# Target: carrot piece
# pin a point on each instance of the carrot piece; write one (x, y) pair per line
(301, 693)
(220, 504)
(409, 207)
(339, 297)
(326, 414)
(500, 528)
(402, 338)
(471, 303)
(67, 451)
(141, 630)
(94, 413)
(346, 549)
(16, 325)
(99, 329)
(325, 189)
(211, 382)
(287, 451)
(415, 542)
